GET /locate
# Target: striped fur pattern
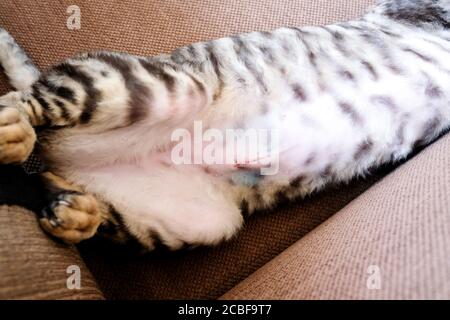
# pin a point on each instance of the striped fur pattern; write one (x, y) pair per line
(345, 98)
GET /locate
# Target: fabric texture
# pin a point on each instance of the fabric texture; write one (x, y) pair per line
(392, 242)
(33, 266)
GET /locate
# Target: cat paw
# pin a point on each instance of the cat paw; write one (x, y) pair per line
(17, 136)
(71, 217)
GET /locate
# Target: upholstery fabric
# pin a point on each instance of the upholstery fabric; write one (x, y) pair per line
(33, 266)
(398, 231)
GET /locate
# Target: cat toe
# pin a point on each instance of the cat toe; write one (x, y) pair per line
(71, 217)
(17, 137)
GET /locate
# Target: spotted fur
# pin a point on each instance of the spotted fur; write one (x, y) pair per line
(345, 98)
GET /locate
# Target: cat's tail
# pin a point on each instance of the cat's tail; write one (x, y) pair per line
(22, 73)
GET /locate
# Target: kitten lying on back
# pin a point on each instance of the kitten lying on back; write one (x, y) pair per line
(342, 98)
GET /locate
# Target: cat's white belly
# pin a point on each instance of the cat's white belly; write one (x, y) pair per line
(310, 137)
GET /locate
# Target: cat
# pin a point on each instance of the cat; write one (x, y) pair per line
(343, 98)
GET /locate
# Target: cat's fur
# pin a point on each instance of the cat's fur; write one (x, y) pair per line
(345, 98)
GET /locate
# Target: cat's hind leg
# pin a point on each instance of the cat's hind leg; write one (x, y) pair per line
(71, 214)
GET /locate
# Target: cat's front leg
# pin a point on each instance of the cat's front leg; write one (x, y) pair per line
(17, 137)
(71, 214)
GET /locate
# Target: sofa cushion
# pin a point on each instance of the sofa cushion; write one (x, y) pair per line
(392, 242)
(33, 266)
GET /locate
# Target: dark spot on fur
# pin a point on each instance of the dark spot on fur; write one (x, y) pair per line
(244, 207)
(384, 101)
(395, 69)
(433, 91)
(347, 75)
(297, 182)
(199, 85)
(371, 69)
(267, 53)
(419, 55)
(286, 47)
(310, 159)
(338, 36)
(429, 131)
(349, 109)
(363, 148)
(266, 34)
(312, 58)
(327, 172)
(299, 92)
(338, 39)
(390, 33)
(400, 133)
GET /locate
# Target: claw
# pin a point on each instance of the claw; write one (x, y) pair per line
(63, 202)
(54, 223)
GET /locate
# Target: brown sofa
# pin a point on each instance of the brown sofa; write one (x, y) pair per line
(386, 236)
